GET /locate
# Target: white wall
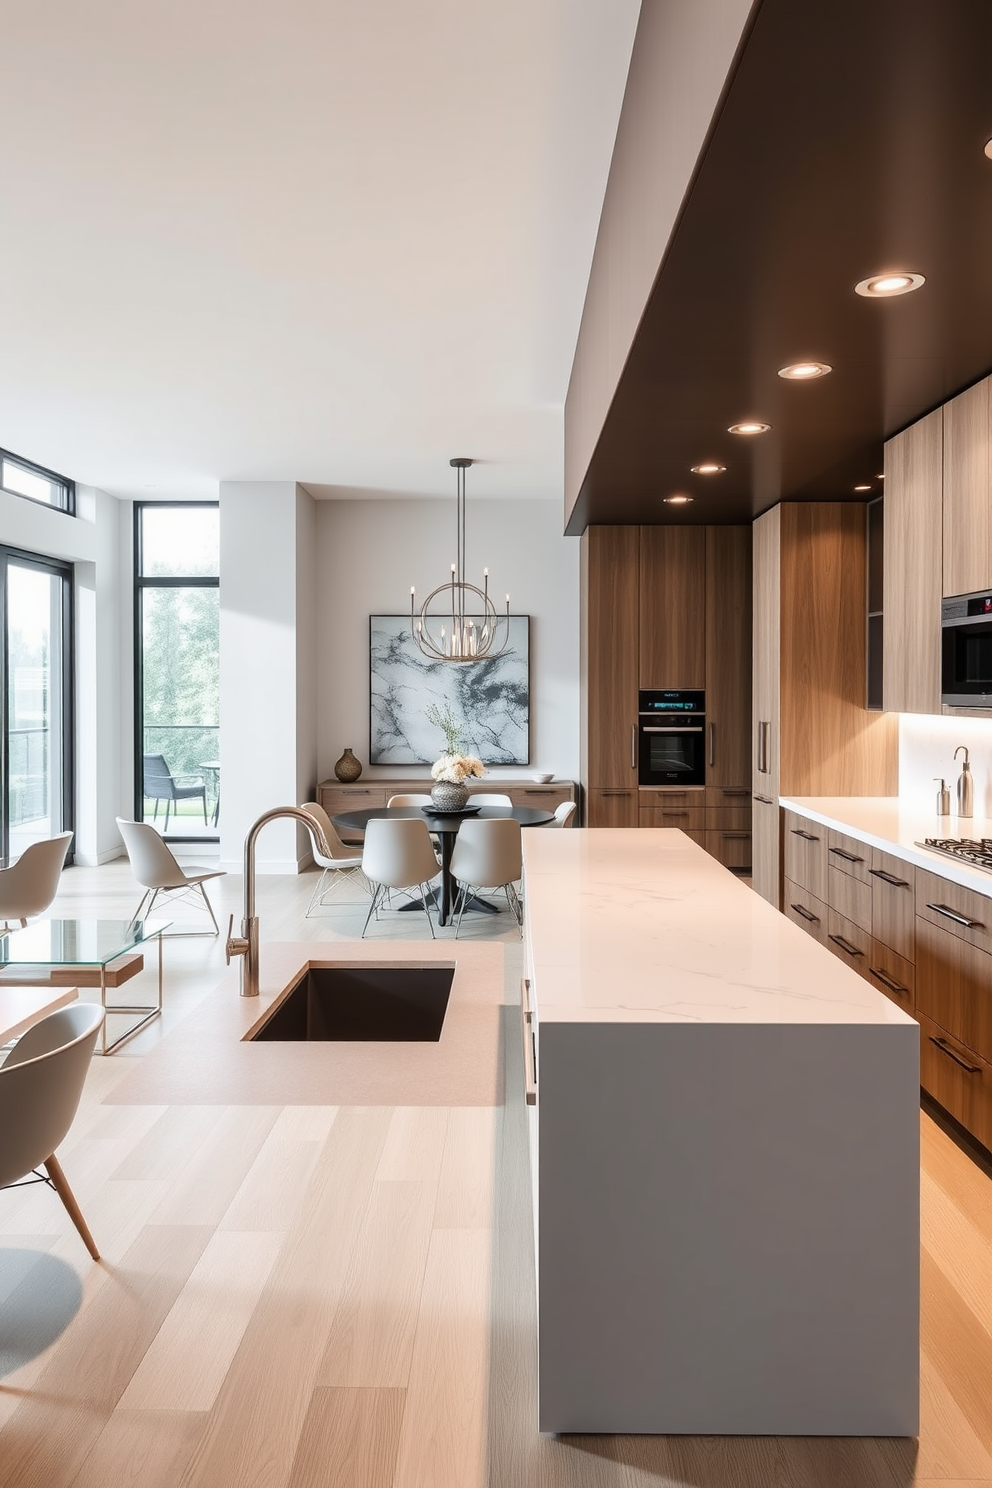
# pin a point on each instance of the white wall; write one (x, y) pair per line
(926, 749)
(368, 555)
(264, 646)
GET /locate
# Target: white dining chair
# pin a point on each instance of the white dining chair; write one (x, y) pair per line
(408, 800)
(158, 873)
(342, 864)
(28, 886)
(564, 815)
(489, 798)
(41, 1081)
(487, 854)
(398, 855)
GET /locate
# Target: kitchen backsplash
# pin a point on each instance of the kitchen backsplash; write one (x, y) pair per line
(926, 749)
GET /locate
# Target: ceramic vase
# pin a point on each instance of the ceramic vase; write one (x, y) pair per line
(348, 768)
(447, 796)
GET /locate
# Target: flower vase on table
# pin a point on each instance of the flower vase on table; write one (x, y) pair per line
(449, 791)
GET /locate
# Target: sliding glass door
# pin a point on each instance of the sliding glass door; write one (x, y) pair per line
(36, 732)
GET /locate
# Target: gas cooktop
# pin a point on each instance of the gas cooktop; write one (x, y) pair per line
(968, 849)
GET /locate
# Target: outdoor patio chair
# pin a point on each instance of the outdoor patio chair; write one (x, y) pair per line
(161, 785)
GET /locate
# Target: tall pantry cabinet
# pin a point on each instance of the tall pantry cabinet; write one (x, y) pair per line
(667, 607)
(812, 734)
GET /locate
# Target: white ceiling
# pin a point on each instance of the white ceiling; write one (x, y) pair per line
(316, 240)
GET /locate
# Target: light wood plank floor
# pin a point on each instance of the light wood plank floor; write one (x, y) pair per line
(310, 1295)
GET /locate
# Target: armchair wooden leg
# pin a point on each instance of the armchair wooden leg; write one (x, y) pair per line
(54, 1170)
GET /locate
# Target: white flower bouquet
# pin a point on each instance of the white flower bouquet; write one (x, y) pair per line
(457, 768)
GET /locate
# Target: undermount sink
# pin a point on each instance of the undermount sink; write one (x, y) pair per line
(401, 1004)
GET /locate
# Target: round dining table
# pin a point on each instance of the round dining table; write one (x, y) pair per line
(444, 825)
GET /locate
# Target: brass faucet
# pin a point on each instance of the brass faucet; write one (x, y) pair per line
(245, 945)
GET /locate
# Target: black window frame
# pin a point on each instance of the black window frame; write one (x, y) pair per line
(68, 487)
(141, 583)
(66, 572)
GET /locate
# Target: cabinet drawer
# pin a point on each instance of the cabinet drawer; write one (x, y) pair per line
(893, 903)
(543, 797)
(954, 985)
(729, 818)
(689, 818)
(961, 912)
(805, 850)
(728, 795)
(806, 911)
(338, 798)
(672, 798)
(611, 808)
(848, 854)
(849, 897)
(893, 975)
(848, 941)
(732, 848)
(957, 1078)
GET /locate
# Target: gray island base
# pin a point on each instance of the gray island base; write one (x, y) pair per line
(725, 1151)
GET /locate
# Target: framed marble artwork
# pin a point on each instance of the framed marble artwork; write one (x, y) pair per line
(489, 699)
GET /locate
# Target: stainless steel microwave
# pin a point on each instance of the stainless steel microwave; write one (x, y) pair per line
(670, 731)
(966, 651)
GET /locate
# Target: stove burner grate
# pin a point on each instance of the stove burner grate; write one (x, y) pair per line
(977, 850)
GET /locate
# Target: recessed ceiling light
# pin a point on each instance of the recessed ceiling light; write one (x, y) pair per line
(750, 426)
(880, 477)
(884, 286)
(862, 488)
(988, 148)
(710, 468)
(677, 500)
(804, 371)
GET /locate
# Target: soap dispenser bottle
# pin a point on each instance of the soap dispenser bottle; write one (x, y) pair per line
(943, 797)
(966, 786)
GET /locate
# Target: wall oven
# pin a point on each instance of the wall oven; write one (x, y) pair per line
(671, 727)
(966, 651)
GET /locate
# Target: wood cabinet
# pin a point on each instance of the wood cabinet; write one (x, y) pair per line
(672, 583)
(893, 903)
(967, 491)
(336, 797)
(610, 623)
(893, 975)
(668, 607)
(812, 734)
(805, 854)
(913, 581)
(728, 657)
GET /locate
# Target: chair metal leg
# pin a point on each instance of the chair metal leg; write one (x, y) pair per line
(376, 896)
(462, 897)
(137, 913)
(210, 910)
(430, 922)
(54, 1170)
(315, 896)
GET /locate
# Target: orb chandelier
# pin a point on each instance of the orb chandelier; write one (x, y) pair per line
(458, 622)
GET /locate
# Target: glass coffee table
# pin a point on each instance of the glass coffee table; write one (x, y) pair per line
(86, 953)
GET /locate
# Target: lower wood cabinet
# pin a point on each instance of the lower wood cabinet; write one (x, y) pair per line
(954, 986)
(688, 818)
(731, 847)
(893, 975)
(957, 1078)
(848, 941)
(611, 808)
(805, 910)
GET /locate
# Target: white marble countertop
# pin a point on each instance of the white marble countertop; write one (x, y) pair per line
(883, 822)
(644, 926)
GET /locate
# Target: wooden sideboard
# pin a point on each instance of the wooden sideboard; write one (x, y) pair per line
(367, 795)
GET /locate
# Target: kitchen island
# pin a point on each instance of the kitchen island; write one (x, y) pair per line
(725, 1155)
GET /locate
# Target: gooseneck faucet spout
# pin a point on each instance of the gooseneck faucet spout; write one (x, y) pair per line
(245, 945)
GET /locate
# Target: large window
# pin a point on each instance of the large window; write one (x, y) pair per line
(22, 478)
(177, 651)
(35, 701)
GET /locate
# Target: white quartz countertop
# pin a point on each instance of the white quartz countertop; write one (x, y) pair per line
(641, 925)
(884, 822)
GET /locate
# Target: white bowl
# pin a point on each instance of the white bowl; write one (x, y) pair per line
(543, 776)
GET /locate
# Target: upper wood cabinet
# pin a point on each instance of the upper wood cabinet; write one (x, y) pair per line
(609, 652)
(967, 503)
(914, 465)
(728, 656)
(672, 577)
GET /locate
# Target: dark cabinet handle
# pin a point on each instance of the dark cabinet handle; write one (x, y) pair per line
(945, 1048)
(712, 744)
(848, 857)
(675, 813)
(806, 836)
(806, 914)
(615, 793)
(877, 971)
(889, 878)
(735, 790)
(765, 800)
(764, 736)
(959, 919)
(633, 746)
(845, 945)
(735, 836)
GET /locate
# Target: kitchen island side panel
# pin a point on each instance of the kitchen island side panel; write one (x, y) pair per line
(728, 1228)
